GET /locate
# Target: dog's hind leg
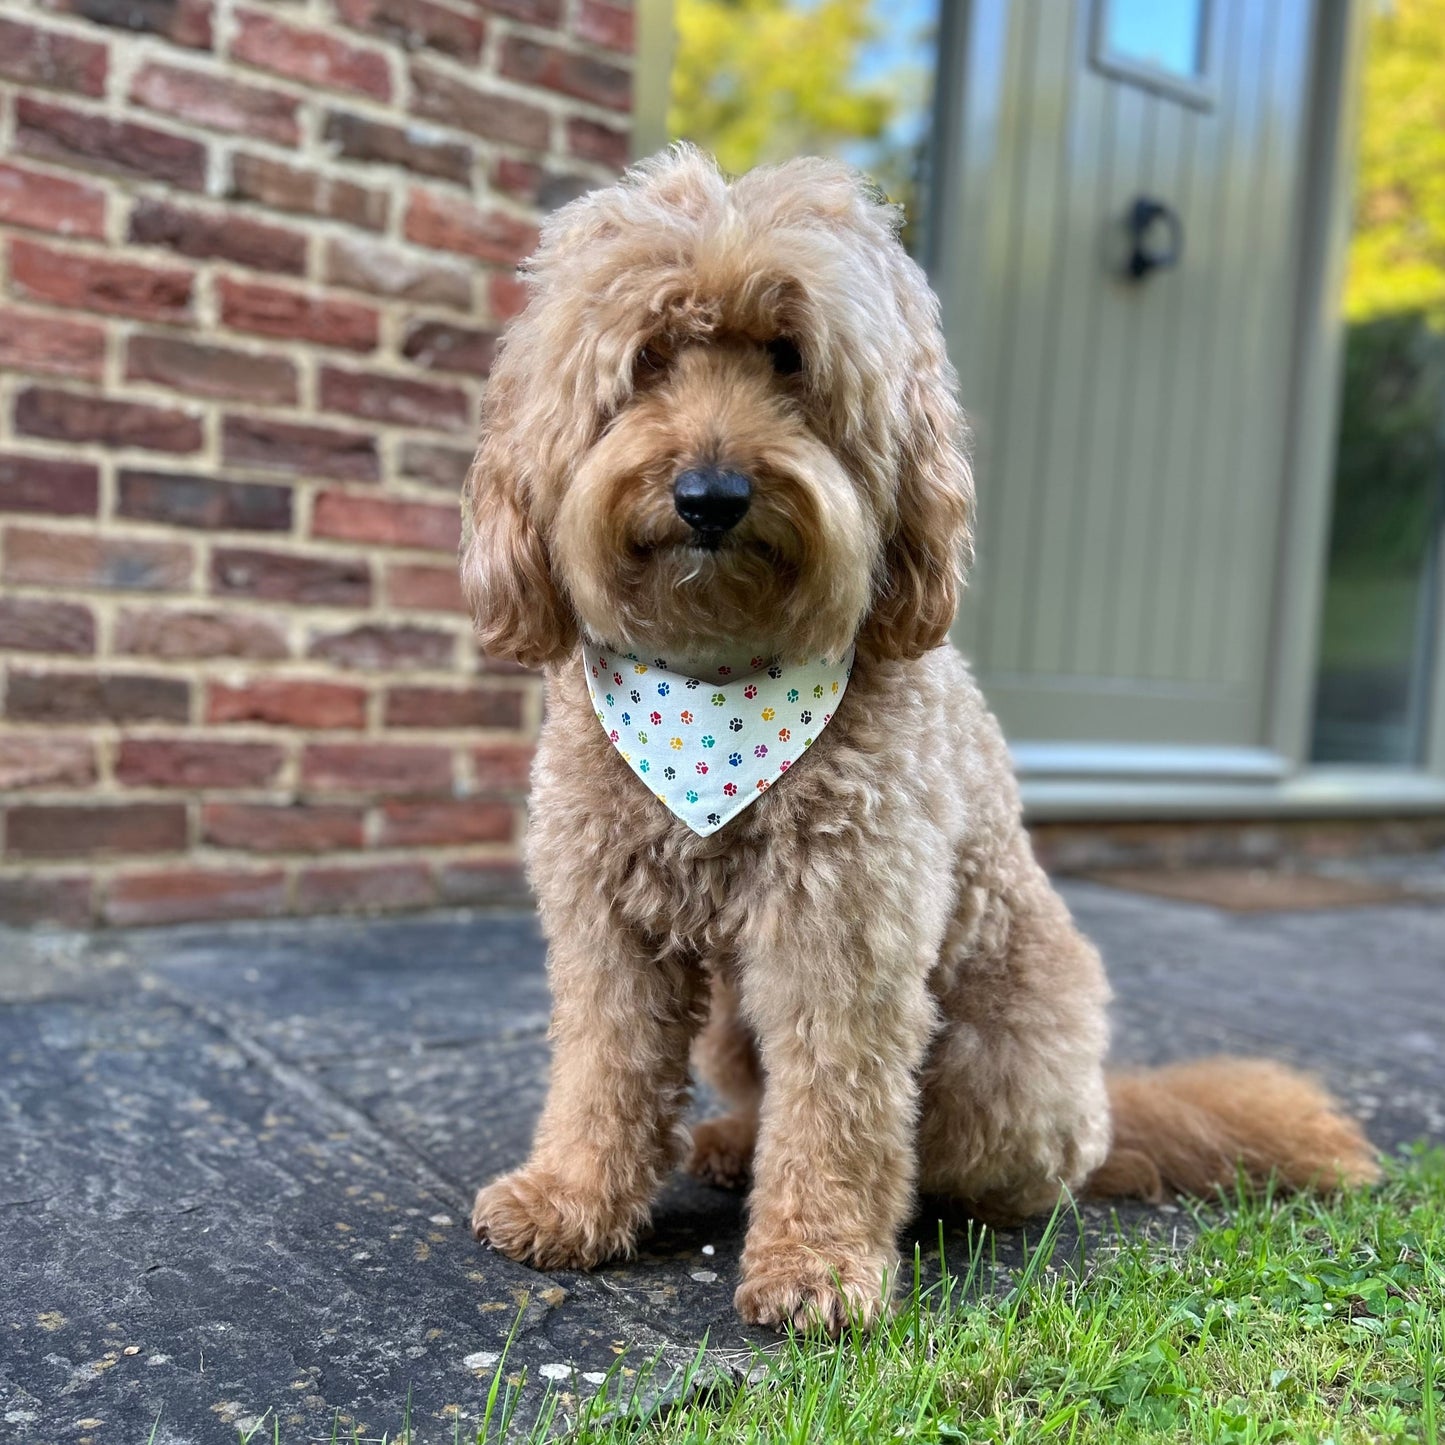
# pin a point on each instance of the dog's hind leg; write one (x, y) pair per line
(1014, 1107)
(725, 1054)
(622, 1021)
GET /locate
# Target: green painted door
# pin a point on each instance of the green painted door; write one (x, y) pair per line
(1132, 432)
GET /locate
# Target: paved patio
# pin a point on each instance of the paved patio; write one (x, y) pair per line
(238, 1160)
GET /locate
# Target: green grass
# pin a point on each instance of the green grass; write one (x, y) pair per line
(1284, 1320)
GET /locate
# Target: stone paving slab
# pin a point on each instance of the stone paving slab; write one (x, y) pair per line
(239, 1160)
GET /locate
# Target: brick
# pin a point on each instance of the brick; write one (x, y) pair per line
(542, 13)
(299, 449)
(196, 763)
(287, 702)
(106, 562)
(418, 24)
(65, 830)
(610, 26)
(219, 235)
(116, 147)
(184, 635)
(385, 522)
(190, 895)
(180, 499)
(481, 881)
(40, 202)
(99, 283)
(43, 484)
(590, 140)
(69, 416)
(395, 400)
(217, 102)
(366, 265)
(415, 148)
(450, 707)
(31, 898)
(295, 315)
(310, 56)
(436, 465)
(290, 828)
(38, 343)
(540, 187)
(441, 346)
(285, 577)
(52, 58)
(567, 71)
(30, 625)
(212, 371)
(56, 697)
(307, 192)
(369, 890)
(45, 760)
(502, 769)
(379, 647)
(373, 768)
(488, 113)
(507, 295)
(418, 588)
(410, 824)
(182, 22)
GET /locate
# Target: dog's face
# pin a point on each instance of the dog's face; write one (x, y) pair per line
(724, 422)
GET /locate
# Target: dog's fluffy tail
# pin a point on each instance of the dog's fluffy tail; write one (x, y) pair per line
(1194, 1128)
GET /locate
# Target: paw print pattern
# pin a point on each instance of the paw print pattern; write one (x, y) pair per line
(771, 712)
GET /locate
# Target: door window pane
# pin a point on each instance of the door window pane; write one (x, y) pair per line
(765, 80)
(1162, 35)
(1380, 598)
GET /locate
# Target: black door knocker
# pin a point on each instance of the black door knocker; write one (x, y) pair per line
(1156, 236)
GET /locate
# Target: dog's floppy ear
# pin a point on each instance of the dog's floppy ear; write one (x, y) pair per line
(931, 542)
(506, 573)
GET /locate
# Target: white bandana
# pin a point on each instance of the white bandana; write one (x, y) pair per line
(708, 744)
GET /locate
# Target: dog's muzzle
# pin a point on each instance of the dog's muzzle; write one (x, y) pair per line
(711, 501)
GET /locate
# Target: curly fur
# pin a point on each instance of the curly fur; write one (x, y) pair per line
(867, 962)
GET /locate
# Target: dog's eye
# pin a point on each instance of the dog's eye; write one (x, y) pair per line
(648, 362)
(786, 358)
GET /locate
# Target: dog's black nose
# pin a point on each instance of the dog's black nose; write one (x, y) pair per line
(711, 500)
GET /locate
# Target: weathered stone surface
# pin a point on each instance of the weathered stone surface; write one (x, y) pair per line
(257, 1144)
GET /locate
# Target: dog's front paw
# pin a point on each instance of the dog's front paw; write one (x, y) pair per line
(722, 1150)
(814, 1289)
(530, 1215)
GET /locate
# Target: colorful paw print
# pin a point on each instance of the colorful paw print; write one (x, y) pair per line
(663, 689)
(735, 725)
(613, 735)
(669, 773)
(642, 738)
(635, 695)
(775, 673)
(757, 662)
(611, 701)
(686, 718)
(762, 785)
(644, 766)
(768, 714)
(714, 819)
(676, 745)
(655, 718)
(724, 671)
(640, 668)
(617, 678)
(719, 698)
(835, 687)
(730, 790)
(708, 741)
(701, 767)
(750, 692)
(627, 719)
(792, 694)
(818, 690)
(692, 682)
(735, 759)
(761, 751)
(783, 735)
(690, 796)
(805, 716)
(785, 765)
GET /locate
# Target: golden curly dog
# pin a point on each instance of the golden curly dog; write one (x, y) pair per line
(867, 961)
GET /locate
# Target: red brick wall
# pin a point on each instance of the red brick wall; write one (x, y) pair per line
(253, 261)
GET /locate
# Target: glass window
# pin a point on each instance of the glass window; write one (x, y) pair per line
(1383, 578)
(764, 80)
(1164, 35)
